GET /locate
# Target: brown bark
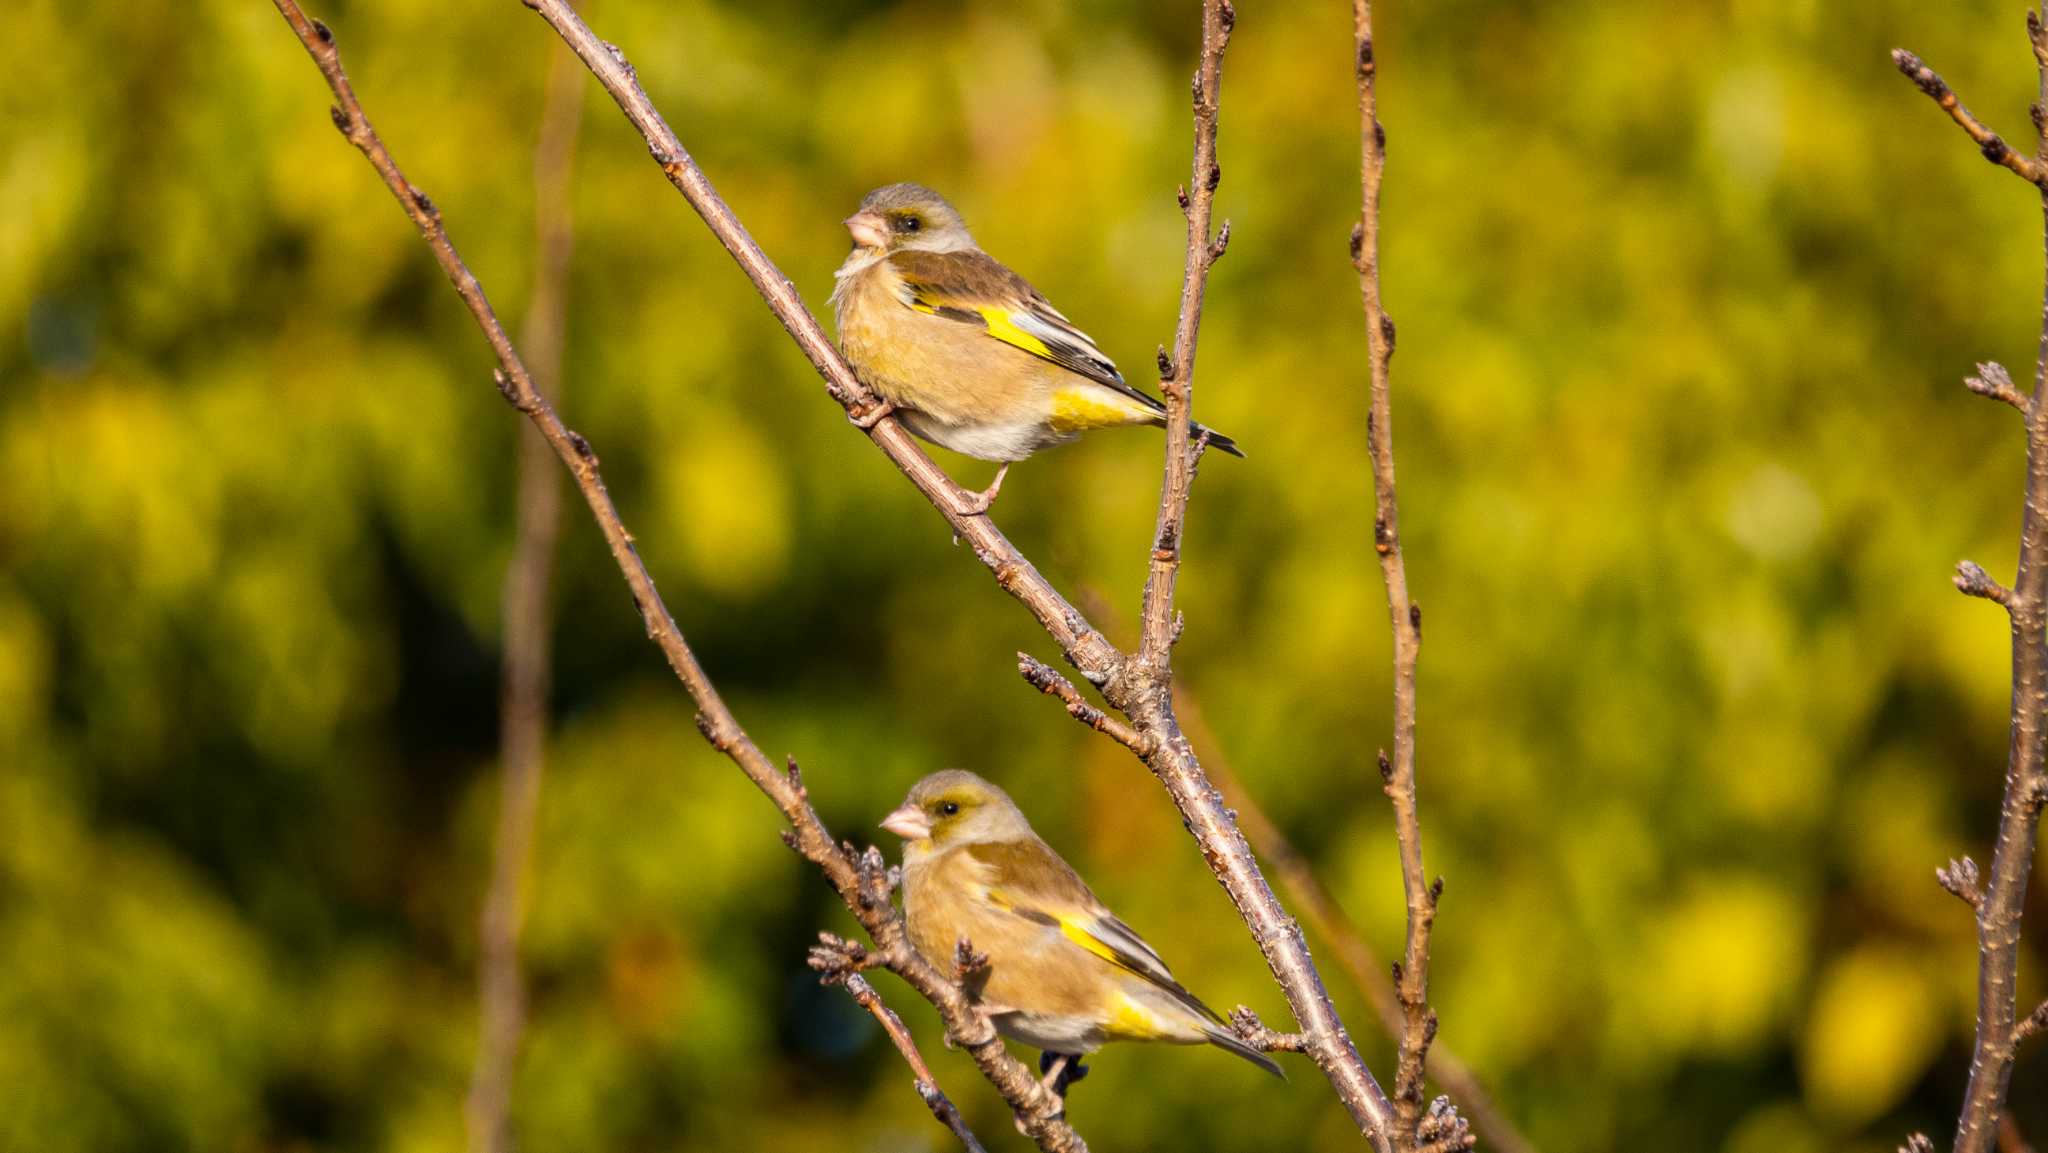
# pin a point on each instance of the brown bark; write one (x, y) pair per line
(523, 708)
(2000, 899)
(860, 878)
(1126, 680)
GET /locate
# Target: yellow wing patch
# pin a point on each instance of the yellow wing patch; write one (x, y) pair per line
(1079, 935)
(1133, 1021)
(995, 318)
(1083, 407)
(1004, 329)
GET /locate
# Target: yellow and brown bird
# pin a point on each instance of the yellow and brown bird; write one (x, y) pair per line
(965, 351)
(1064, 974)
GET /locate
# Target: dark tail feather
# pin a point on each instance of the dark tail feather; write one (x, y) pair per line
(1220, 442)
(1224, 1039)
(1216, 439)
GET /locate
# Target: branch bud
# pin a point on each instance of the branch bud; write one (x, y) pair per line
(1960, 878)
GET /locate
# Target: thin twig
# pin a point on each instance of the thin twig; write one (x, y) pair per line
(1971, 580)
(2033, 1024)
(1145, 700)
(2002, 896)
(1177, 379)
(1326, 919)
(942, 1107)
(1047, 680)
(859, 878)
(1994, 147)
(1411, 974)
(1993, 382)
(1258, 1035)
(523, 719)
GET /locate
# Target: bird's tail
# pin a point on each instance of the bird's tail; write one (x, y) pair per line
(1219, 441)
(1221, 1037)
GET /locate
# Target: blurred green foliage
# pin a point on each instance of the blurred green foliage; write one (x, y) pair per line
(1684, 292)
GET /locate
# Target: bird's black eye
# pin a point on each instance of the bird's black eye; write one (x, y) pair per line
(909, 223)
(950, 809)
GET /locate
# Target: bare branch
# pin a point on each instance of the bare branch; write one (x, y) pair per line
(942, 1108)
(1327, 920)
(1047, 680)
(524, 694)
(1038, 1111)
(1145, 699)
(1441, 1130)
(1089, 651)
(1155, 641)
(1960, 878)
(1972, 580)
(2034, 1023)
(1993, 382)
(1418, 1022)
(1994, 148)
(1254, 1032)
(1999, 899)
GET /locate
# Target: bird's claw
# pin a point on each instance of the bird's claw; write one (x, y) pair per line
(865, 419)
(1060, 1070)
(977, 503)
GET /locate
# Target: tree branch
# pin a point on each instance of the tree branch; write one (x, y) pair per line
(1327, 919)
(1411, 974)
(2002, 897)
(1177, 371)
(1086, 648)
(861, 879)
(1994, 148)
(1971, 580)
(523, 709)
(2036, 1022)
(1145, 699)
(1254, 1032)
(1047, 680)
(864, 994)
(1993, 382)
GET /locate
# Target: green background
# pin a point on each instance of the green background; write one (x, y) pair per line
(1684, 294)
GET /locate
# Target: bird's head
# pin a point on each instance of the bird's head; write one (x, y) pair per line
(956, 807)
(908, 217)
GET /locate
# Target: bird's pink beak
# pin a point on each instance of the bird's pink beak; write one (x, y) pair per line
(908, 822)
(869, 230)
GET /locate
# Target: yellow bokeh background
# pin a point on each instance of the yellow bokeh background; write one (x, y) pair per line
(1684, 295)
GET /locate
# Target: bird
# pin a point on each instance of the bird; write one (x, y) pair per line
(964, 351)
(1064, 974)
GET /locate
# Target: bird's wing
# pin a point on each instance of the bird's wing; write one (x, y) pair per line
(972, 287)
(1030, 880)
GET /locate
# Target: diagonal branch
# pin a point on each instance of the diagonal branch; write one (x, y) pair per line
(1411, 973)
(942, 1107)
(2000, 900)
(1088, 649)
(1327, 919)
(1993, 146)
(861, 879)
(1145, 699)
(523, 721)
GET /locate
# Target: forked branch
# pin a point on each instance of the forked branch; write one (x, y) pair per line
(935, 1099)
(1999, 898)
(1143, 696)
(1411, 973)
(861, 879)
